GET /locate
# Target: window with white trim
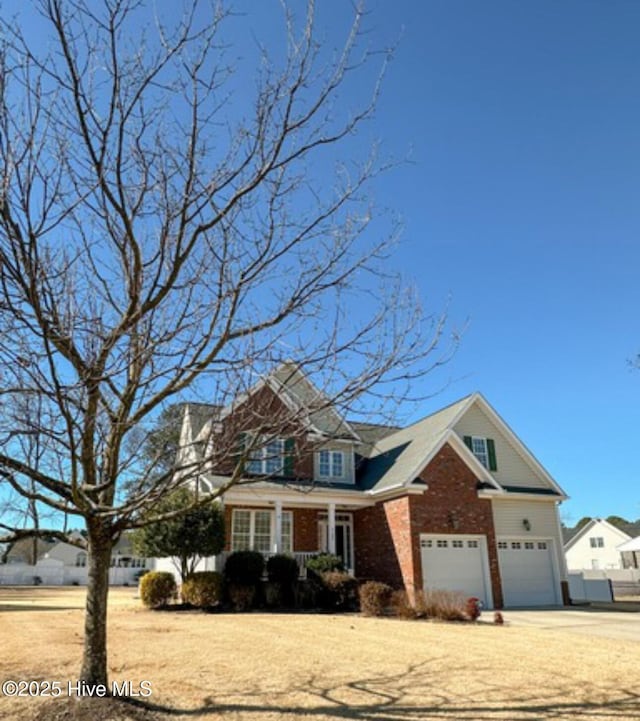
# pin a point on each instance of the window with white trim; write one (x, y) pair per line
(331, 464)
(267, 460)
(479, 449)
(484, 449)
(255, 530)
(597, 542)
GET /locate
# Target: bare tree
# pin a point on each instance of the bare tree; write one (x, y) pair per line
(157, 239)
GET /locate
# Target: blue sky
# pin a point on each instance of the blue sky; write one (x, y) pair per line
(521, 121)
(520, 203)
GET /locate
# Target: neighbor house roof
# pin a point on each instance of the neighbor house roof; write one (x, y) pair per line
(631, 545)
(588, 527)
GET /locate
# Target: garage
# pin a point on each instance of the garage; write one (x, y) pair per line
(454, 562)
(527, 572)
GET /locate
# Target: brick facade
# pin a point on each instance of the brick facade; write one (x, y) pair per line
(387, 536)
(375, 549)
(265, 410)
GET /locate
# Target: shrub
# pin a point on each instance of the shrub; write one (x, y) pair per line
(342, 591)
(324, 563)
(242, 597)
(244, 568)
(157, 588)
(374, 598)
(202, 589)
(498, 618)
(444, 605)
(401, 606)
(283, 569)
(306, 594)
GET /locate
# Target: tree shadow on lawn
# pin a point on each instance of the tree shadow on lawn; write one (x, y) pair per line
(401, 698)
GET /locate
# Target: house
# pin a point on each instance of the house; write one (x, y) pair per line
(595, 546)
(454, 501)
(630, 553)
(27, 550)
(62, 563)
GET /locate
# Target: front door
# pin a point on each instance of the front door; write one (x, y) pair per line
(344, 537)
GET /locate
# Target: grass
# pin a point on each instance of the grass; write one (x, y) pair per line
(261, 667)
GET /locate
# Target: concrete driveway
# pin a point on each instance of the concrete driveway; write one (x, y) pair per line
(586, 621)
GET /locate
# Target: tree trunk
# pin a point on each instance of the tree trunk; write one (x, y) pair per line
(94, 659)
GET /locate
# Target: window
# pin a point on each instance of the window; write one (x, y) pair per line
(331, 464)
(597, 542)
(484, 449)
(472, 544)
(442, 544)
(479, 448)
(269, 459)
(503, 544)
(255, 530)
(529, 546)
(542, 545)
(458, 544)
(81, 560)
(516, 545)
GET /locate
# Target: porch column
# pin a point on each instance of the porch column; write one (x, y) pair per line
(277, 542)
(331, 528)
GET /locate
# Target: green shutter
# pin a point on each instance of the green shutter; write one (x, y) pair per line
(289, 449)
(491, 449)
(468, 443)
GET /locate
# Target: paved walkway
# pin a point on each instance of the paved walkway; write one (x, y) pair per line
(586, 621)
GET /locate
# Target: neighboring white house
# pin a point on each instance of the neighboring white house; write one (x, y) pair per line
(630, 552)
(63, 563)
(595, 546)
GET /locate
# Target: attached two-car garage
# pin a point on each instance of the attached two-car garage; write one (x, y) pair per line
(461, 563)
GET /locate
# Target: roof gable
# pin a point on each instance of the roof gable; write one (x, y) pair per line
(399, 457)
(517, 466)
(593, 525)
(312, 407)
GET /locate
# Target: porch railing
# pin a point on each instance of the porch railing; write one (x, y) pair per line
(301, 559)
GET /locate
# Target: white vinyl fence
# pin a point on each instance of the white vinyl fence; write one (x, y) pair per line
(52, 572)
(604, 585)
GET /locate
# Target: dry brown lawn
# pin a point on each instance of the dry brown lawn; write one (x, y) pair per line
(260, 667)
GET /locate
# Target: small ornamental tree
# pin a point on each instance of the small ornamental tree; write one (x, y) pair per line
(187, 537)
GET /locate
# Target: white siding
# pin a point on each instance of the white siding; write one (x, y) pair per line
(581, 555)
(513, 470)
(509, 514)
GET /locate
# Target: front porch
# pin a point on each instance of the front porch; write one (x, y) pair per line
(275, 527)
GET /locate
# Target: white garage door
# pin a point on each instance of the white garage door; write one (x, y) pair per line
(526, 568)
(456, 563)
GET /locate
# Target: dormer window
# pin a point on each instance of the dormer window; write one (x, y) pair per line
(484, 450)
(331, 464)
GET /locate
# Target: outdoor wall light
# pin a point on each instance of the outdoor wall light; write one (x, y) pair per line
(527, 524)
